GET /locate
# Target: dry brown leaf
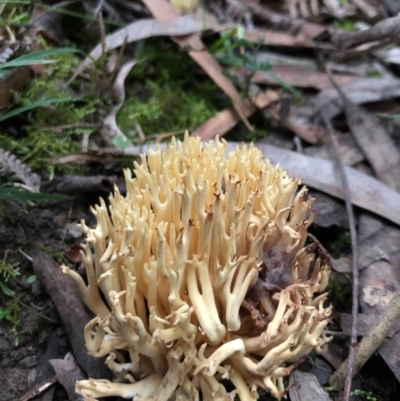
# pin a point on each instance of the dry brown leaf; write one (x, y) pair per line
(365, 90)
(110, 129)
(348, 150)
(220, 124)
(148, 28)
(306, 29)
(381, 245)
(68, 373)
(301, 77)
(163, 11)
(226, 119)
(309, 132)
(48, 22)
(13, 82)
(375, 142)
(304, 386)
(274, 38)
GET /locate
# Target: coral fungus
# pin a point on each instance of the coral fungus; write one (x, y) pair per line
(200, 275)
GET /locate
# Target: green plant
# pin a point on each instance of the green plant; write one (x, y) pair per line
(364, 395)
(232, 50)
(8, 297)
(55, 121)
(162, 98)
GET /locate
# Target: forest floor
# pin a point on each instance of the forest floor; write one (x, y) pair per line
(85, 86)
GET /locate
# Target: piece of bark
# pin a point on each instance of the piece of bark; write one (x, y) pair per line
(304, 386)
(86, 184)
(42, 389)
(68, 373)
(67, 300)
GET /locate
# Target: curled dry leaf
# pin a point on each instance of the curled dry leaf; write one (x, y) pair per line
(147, 28)
(110, 130)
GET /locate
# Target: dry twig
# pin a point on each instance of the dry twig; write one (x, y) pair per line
(354, 248)
(370, 342)
(388, 28)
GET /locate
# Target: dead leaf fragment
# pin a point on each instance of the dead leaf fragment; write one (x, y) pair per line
(304, 386)
(147, 28)
(375, 142)
(300, 77)
(13, 82)
(362, 91)
(68, 373)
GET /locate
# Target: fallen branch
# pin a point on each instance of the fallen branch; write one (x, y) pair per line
(370, 343)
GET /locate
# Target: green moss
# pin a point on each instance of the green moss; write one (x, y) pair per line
(345, 25)
(9, 300)
(52, 130)
(169, 93)
(59, 256)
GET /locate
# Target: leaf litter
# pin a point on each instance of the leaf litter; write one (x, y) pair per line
(256, 108)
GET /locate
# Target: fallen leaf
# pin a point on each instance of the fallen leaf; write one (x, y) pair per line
(220, 124)
(303, 128)
(13, 82)
(110, 130)
(147, 28)
(389, 350)
(349, 152)
(226, 119)
(48, 23)
(364, 90)
(301, 77)
(377, 145)
(68, 373)
(274, 38)
(381, 245)
(304, 386)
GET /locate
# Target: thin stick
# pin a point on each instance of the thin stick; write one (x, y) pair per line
(369, 344)
(354, 248)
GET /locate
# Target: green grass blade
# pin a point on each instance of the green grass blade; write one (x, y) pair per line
(34, 105)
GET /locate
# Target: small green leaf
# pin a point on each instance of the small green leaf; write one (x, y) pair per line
(6, 291)
(38, 57)
(121, 143)
(31, 279)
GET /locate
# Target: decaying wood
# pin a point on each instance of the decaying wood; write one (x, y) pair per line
(67, 300)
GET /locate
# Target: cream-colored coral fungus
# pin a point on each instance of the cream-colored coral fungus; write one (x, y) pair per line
(199, 276)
